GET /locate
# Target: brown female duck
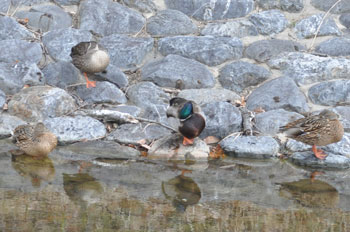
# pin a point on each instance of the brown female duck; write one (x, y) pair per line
(192, 120)
(316, 130)
(36, 140)
(90, 57)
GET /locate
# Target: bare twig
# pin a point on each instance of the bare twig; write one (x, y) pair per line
(319, 26)
(152, 121)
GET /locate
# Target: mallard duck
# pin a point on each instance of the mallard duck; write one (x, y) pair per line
(36, 140)
(316, 130)
(192, 120)
(90, 57)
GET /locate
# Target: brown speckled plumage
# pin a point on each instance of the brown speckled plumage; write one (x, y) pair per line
(90, 57)
(35, 140)
(319, 130)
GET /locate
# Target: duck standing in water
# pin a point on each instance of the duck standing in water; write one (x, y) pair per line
(192, 120)
(90, 57)
(316, 130)
(36, 141)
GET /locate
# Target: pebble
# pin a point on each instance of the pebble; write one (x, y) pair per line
(255, 147)
(292, 6)
(325, 5)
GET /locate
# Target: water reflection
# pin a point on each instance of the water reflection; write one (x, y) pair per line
(182, 191)
(37, 170)
(311, 193)
(82, 188)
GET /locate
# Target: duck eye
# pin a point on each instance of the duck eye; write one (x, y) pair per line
(186, 110)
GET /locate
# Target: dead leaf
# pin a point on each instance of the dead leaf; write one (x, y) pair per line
(217, 152)
(23, 21)
(259, 110)
(211, 140)
(144, 153)
(5, 107)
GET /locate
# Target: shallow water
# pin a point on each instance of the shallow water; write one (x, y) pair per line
(57, 194)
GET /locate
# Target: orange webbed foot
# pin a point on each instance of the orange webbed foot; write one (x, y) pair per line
(187, 141)
(319, 153)
(88, 82)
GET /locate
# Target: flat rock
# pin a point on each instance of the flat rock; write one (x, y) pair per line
(8, 123)
(172, 69)
(127, 52)
(264, 50)
(60, 42)
(104, 92)
(345, 19)
(46, 17)
(292, 6)
(279, 93)
(135, 133)
(2, 99)
(75, 129)
(239, 75)
(269, 22)
(268, 123)
(170, 147)
(114, 75)
(203, 96)
(205, 49)
(144, 6)
(334, 47)
(222, 119)
(237, 28)
(68, 2)
(11, 29)
(330, 93)
(61, 74)
(170, 22)
(14, 77)
(40, 102)
(92, 150)
(109, 18)
(307, 69)
(325, 5)
(208, 10)
(307, 28)
(256, 147)
(145, 94)
(341, 148)
(344, 112)
(151, 98)
(332, 161)
(15, 50)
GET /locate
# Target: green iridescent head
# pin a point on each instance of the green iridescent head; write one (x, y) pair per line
(186, 110)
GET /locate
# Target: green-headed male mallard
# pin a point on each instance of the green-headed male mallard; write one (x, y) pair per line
(316, 130)
(36, 140)
(90, 57)
(192, 120)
